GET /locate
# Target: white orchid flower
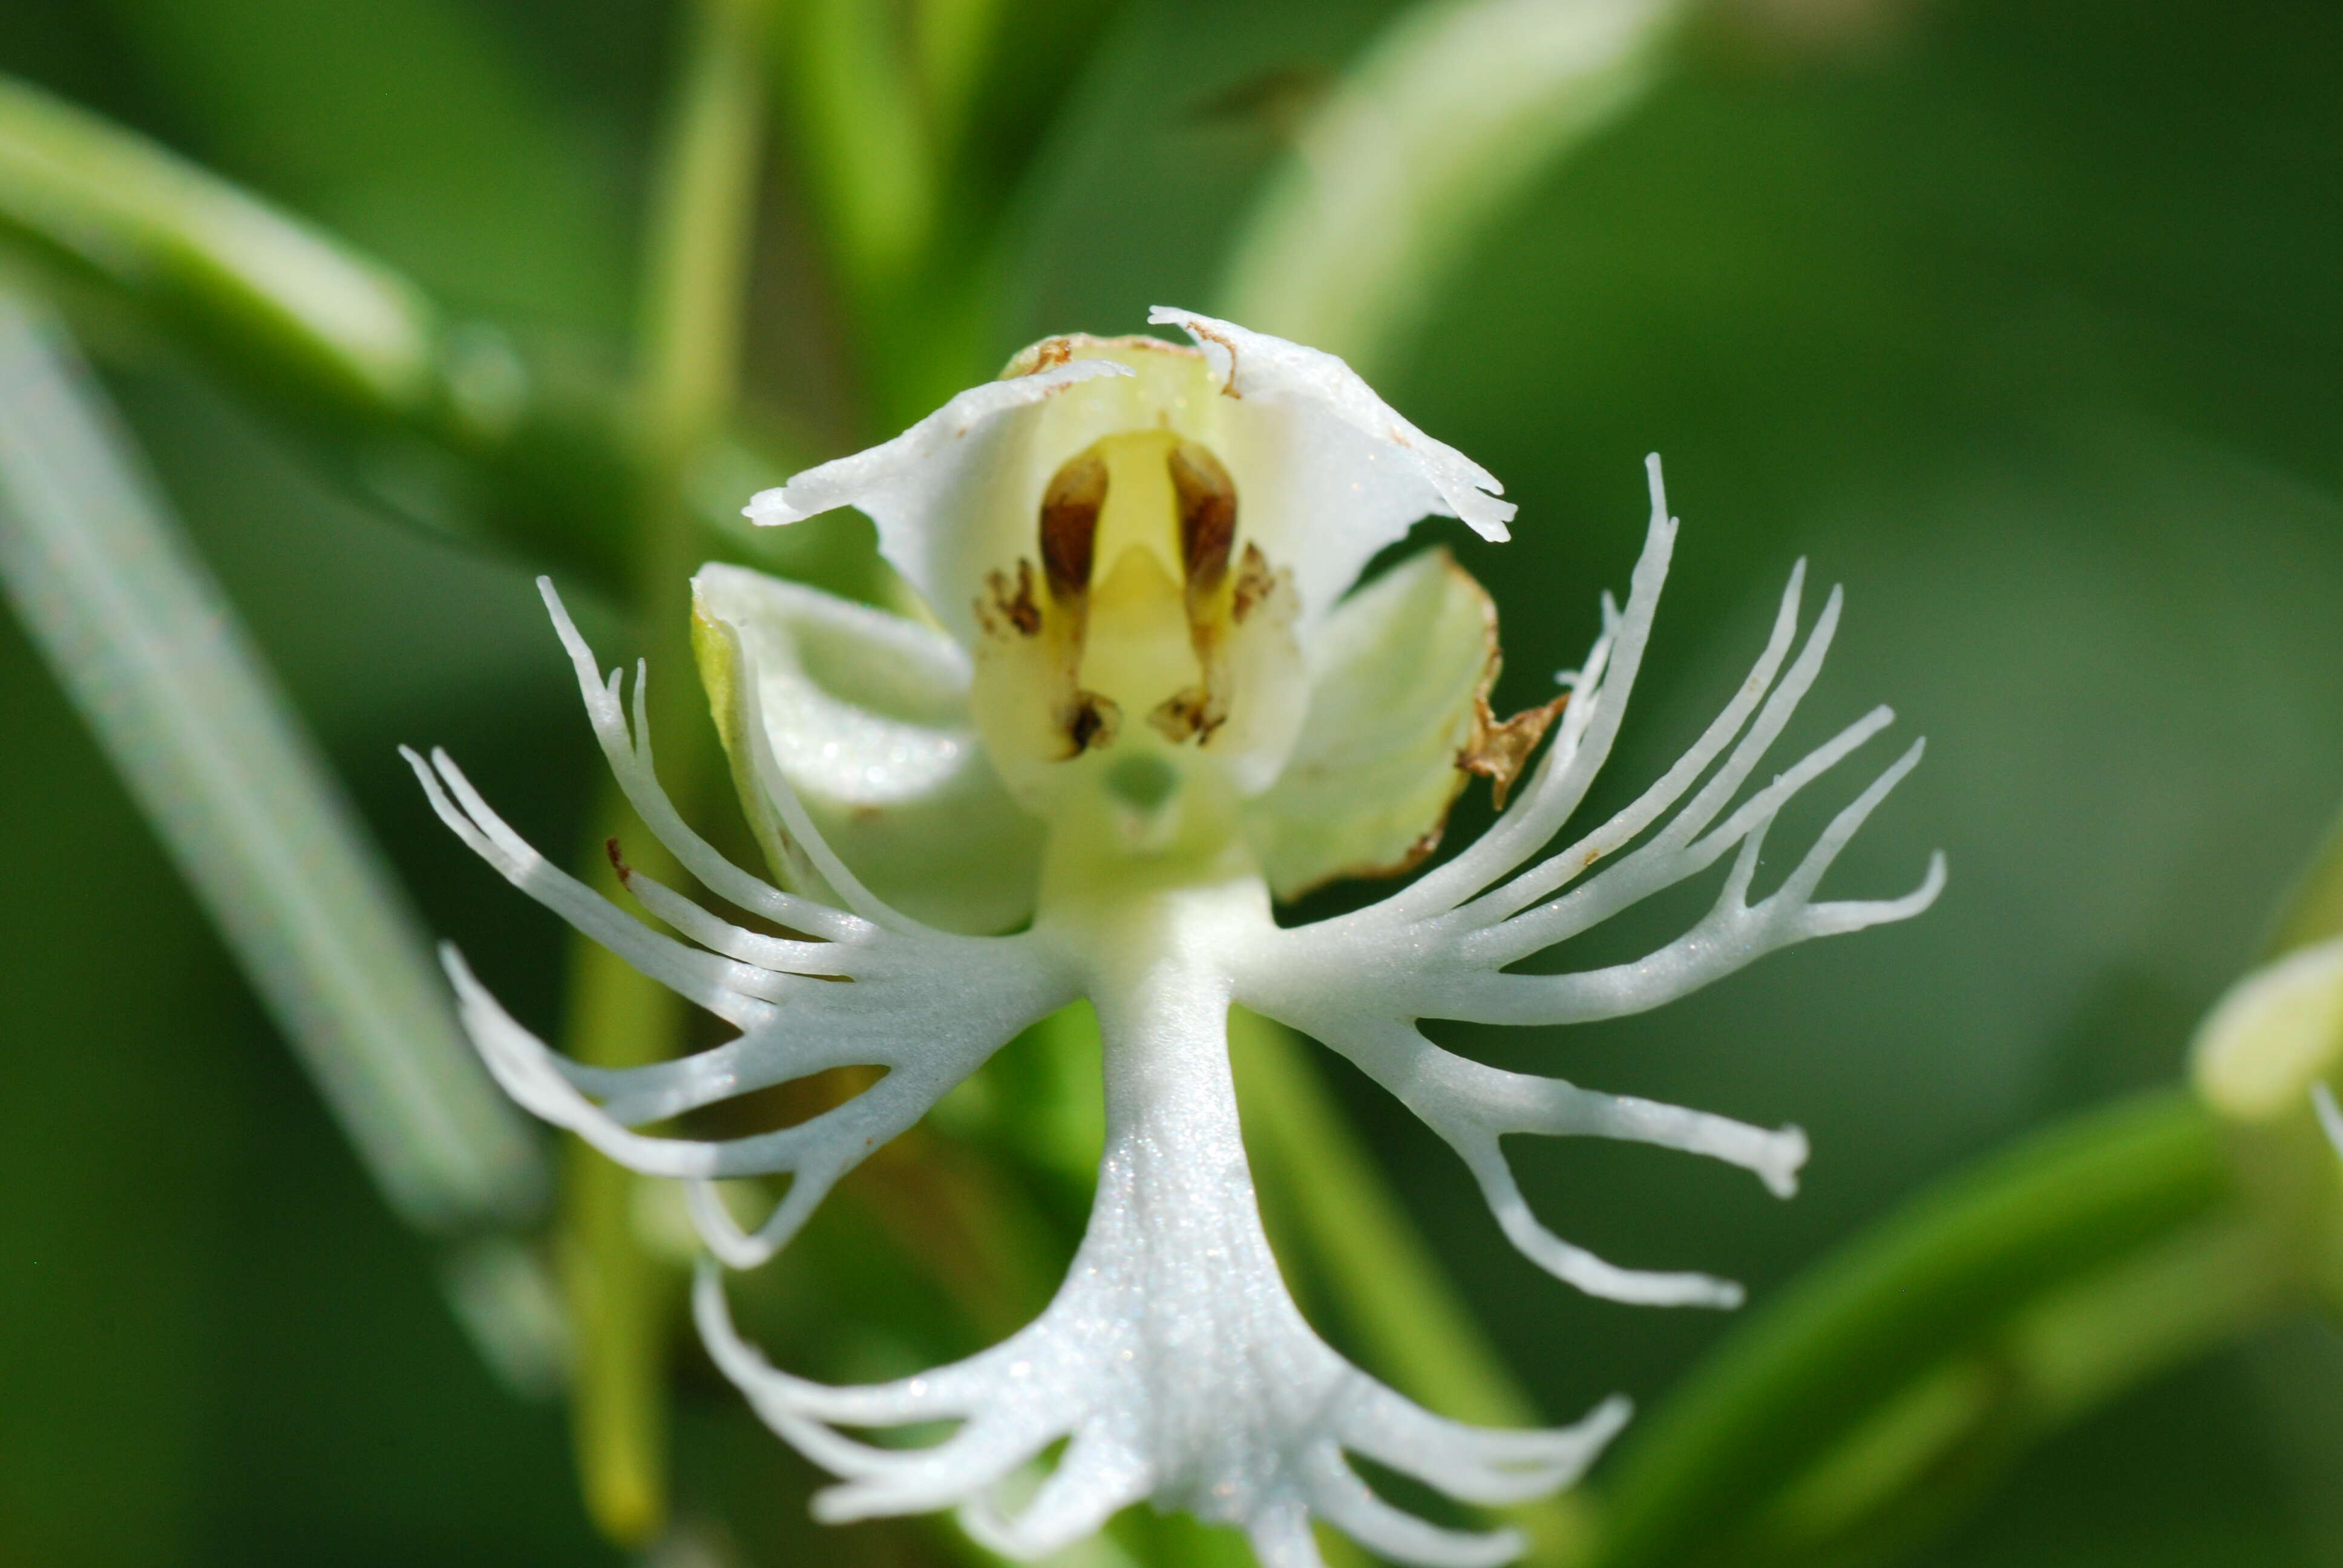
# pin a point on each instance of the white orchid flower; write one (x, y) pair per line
(1147, 709)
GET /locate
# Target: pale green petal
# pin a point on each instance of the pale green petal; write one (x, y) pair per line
(1397, 671)
(866, 715)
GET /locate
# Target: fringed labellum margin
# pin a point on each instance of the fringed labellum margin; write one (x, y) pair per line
(1147, 710)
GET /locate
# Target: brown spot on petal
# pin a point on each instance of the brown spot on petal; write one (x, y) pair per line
(1228, 388)
(1414, 855)
(1196, 711)
(1052, 352)
(1095, 722)
(1498, 750)
(1409, 858)
(1001, 606)
(1049, 354)
(1256, 580)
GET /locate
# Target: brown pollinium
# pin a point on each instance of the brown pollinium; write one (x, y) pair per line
(1206, 499)
(1069, 521)
(1055, 620)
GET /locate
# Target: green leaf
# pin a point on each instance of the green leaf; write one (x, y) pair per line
(157, 225)
(452, 425)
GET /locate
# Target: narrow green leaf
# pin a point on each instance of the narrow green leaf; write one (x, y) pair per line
(148, 649)
(428, 132)
(452, 425)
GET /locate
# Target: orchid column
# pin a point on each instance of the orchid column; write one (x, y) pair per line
(1146, 709)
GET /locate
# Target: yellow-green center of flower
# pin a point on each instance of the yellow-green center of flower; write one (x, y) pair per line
(1140, 662)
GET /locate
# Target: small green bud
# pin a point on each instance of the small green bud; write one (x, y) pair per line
(2260, 1061)
(2277, 1032)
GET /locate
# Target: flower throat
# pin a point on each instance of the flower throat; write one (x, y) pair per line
(1144, 607)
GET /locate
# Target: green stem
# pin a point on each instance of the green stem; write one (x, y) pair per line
(1880, 1393)
(697, 263)
(872, 165)
(623, 1297)
(870, 139)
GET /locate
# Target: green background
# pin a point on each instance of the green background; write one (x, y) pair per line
(2018, 320)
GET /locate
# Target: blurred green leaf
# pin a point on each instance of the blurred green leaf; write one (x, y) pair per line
(451, 425)
(1862, 1406)
(1455, 110)
(415, 128)
(159, 663)
(914, 132)
(867, 139)
(528, 447)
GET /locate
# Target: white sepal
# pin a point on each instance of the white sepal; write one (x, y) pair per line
(948, 494)
(1329, 472)
(1326, 472)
